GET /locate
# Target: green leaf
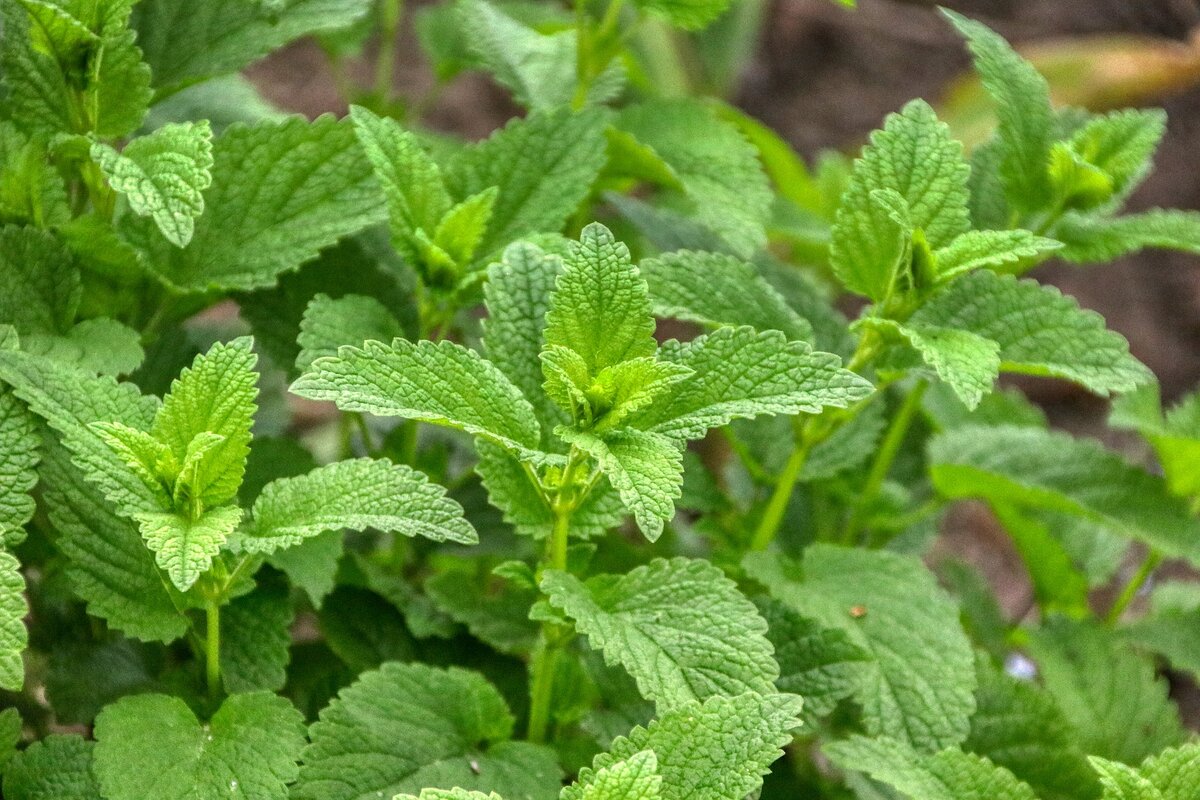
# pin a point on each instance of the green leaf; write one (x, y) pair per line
(1002, 251)
(69, 401)
(13, 636)
(822, 665)
(353, 495)
(739, 374)
(418, 727)
(412, 182)
(186, 42)
(281, 191)
(99, 345)
(948, 775)
(1174, 436)
(184, 548)
(686, 14)
(1026, 118)
(328, 324)
(1091, 239)
(920, 687)
(153, 746)
(1018, 726)
(645, 468)
(716, 750)
(1040, 331)
(18, 466)
(58, 767)
(215, 395)
(163, 175)
(635, 778)
(32, 191)
(312, 565)
(441, 383)
(714, 289)
(459, 233)
(1039, 469)
(1109, 693)
(517, 295)
(448, 794)
(915, 157)
(1122, 782)
(680, 628)
(511, 490)
(1175, 772)
(108, 564)
(600, 308)
(538, 68)
(41, 281)
(497, 615)
(967, 362)
(723, 184)
(1122, 144)
(255, 640)
(543, 166)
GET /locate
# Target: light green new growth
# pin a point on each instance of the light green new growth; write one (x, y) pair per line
(635, 778)
(354, 495)
(914, 158)
(163, 175)
(681, 629)
(13, 636)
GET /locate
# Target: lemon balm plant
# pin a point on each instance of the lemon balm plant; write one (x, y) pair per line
(528, 544)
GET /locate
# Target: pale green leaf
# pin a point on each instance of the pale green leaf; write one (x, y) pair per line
(967, 362)
(1092, 239)
(353, 495)
(600, 308)
(216, 394)
(948, 775)
(438, 382)
(18, 466)
(163, 175)
(687, 14)
(353, 319)
(679, 627)
(1122, 144)
(1123, 782)
(543, 167)
(1002, 251)
(635, 778)
(1175, 771)
(185, 42)
(914, 157)
(716, 750)
(920, 688)
(645, 468)
(13, 636)
(1040, 331)
(153, 746)
(184, 548)
(448, 794)
(407, 727)
(58, 767)
(714, 289)
(1034, 468)
(740, 373)
(1026, 119)
(281, 191)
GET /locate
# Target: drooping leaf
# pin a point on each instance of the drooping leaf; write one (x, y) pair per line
(353, 495)
(183, 547)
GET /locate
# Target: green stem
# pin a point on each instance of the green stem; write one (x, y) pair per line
(212, 648)
(363, 431)
(772, 518)
(884, 458)
(545, 663)
(1149, 564)
(390, 12)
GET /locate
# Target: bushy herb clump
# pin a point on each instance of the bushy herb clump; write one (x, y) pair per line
(541, 552)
